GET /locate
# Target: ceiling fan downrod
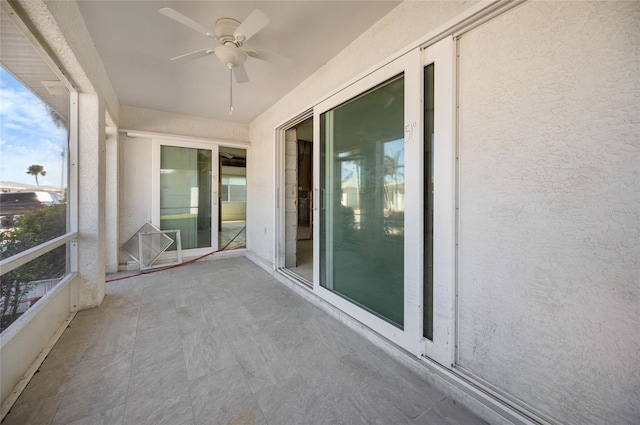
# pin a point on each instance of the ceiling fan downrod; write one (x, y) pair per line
(230, 89)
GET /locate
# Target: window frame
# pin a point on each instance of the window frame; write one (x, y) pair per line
(70, 238)
(156, 149)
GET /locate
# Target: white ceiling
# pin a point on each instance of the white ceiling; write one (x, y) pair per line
(136, 42)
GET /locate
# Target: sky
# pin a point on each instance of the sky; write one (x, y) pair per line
(28, 136)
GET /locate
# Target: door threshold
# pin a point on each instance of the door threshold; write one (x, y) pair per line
(296, 278)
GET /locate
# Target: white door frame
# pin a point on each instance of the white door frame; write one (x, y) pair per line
(156, 145)
(280, 168)
(410, 337)
(442, 348)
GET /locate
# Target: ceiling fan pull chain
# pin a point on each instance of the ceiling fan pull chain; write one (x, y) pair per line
(230, 91)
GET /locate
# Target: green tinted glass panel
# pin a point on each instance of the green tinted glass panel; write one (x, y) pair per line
(362, 213)
(427, 320)
(185, 194)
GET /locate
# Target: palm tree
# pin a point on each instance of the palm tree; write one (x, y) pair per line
(34, 170)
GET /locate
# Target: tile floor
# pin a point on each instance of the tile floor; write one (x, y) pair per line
(221, 342)
(232, 235)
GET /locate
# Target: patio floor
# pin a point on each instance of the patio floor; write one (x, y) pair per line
(221, 342)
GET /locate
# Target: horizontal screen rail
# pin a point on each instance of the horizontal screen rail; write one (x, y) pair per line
(24, 257)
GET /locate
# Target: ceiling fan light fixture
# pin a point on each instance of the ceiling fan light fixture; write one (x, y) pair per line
(230, 55)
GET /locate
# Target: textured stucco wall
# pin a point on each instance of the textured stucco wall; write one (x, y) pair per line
(402, 26)
(135, 187)
(549, 288)
(112, 198)
(91, 200)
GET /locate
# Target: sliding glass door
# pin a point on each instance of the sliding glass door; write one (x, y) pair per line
(186, 193)
(384, 172)
(364, 254)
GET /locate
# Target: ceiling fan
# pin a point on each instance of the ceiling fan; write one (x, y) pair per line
(231, 34)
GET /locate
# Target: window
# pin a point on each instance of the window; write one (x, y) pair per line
(234, 188)
(35, 199)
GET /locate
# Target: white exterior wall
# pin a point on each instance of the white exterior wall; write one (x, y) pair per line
(112, 198)
(135, 187)
(91, 200)
(549, 204)
(402, 26)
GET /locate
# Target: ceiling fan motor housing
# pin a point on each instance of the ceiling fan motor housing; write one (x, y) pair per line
(224, 29)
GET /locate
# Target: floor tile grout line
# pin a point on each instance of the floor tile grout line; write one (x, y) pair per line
(444, 397)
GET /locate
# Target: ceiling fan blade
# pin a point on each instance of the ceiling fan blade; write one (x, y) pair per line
(193, 55)
(179, 17)
(270, 57)
(241, 73)
(251, 25)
